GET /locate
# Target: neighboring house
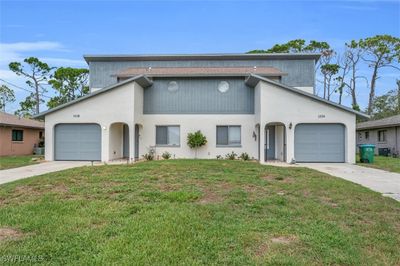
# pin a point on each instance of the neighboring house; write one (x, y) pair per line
(261, 104)
(19, 135)
(383, 133)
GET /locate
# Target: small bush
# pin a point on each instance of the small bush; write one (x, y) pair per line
(196, 140)
(244, 156)
(150, 155)
(231, 156)
(166, 155)
(219, 157)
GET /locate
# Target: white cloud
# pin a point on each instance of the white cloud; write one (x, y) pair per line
(13, 51)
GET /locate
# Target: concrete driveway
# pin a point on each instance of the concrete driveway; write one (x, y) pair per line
(384, 182)
(13, 174)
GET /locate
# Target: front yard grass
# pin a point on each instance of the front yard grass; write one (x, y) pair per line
(7, 162)
(382, 162)
(197, 212)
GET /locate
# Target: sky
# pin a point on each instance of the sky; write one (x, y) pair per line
(61, 32)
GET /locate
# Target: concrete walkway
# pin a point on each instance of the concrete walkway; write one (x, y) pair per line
(13, 174)
(384, 182)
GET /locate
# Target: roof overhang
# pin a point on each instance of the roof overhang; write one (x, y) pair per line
(377, 127)
(217, 56)
(252, 80)
(20, 126)
(142, 80)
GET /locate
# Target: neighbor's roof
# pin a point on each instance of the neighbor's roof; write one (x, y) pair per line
(180, 57)
(385, 122)
(253, 80)
(200, 71)
(141, 80)
(13, 120)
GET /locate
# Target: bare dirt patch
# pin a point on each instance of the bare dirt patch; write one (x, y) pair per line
(210, 197)
(328, 201)
(262, 250)
(285, 240)
(7, 233)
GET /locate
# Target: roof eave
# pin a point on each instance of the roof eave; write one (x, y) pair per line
(218, 56)
(142, 80)
(253, 79)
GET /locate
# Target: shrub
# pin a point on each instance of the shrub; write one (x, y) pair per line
(196, 140)
(244, 156)
(219, 157)
(231, 156)
(166, 155)
(150, 155)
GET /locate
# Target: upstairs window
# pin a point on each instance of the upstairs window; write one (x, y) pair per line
(228, 136)
(17, 135)
(167, 135)
(382, 135)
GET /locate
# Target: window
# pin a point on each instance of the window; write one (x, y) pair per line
(228, 136)
(366, 135)
(382, 135)
(17, 135)
(40, 134)
(223, 86)
(167, 136)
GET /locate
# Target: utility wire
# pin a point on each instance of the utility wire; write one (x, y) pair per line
(18, 87)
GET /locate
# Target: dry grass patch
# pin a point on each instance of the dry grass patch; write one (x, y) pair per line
(7, 233)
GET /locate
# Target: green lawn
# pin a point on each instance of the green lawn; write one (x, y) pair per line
(7, 162)
(385, 163)
(197, 212)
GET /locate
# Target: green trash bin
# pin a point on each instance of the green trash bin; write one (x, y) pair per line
(367, 152)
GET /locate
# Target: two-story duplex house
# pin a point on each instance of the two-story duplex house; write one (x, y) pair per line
(261, 104)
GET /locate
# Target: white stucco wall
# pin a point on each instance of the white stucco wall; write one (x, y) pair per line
(116, 105)
(281, 105)
(208, 126)
(124, 104)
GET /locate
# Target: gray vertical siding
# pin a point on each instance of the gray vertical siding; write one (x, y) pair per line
(300, 72)
(198, 96)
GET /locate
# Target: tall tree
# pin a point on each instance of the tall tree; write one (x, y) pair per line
(70, 83)
(6, 96)
(352, 56)
(37, 74)
(329, 70)
(387, 104)
(380, 51)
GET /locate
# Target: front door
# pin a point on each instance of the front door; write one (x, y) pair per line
(136, 142)
(126, 142)
(270, 143)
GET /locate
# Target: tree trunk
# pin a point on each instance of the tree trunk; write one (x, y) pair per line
(324, 86)
(372, 89)
(37, 97)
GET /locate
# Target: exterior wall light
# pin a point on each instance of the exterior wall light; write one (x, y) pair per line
(290, 125)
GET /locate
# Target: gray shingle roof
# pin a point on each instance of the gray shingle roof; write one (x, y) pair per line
(385, 122)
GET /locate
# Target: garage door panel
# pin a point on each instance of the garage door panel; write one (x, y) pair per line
(319, 143)
(78, 142)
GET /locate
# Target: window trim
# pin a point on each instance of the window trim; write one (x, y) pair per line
(384, 140)
(167, 145)
(12, 135)
(229, 144)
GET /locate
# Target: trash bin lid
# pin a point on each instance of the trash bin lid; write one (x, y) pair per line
(367, 146)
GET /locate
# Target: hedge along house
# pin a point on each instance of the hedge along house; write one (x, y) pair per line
(261, 104)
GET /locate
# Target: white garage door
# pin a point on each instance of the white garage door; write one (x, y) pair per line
(77, 142)
(319, 143)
